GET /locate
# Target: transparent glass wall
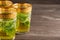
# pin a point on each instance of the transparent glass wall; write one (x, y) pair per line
(15, 17)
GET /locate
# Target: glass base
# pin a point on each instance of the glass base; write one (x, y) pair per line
(8, 39)
(21, 33)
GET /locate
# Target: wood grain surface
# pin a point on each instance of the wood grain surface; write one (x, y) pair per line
(45, 23)
(40, 1)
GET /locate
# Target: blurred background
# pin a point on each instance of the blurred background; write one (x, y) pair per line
(45, 23)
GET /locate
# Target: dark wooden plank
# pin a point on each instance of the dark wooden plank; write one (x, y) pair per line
(40, 1)
(45, 1)
(45, 24)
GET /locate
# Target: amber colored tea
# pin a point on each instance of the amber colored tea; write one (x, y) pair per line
(23, 17)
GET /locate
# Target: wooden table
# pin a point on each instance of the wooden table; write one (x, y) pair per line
(45, 24)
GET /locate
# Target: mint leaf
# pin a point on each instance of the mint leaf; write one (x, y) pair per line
(9, 27)
(26, 24)
(22, 17)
